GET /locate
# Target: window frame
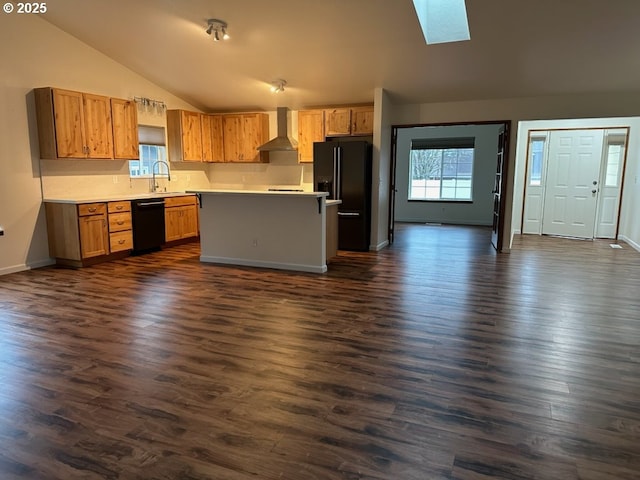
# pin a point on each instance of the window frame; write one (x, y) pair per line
(443, 144)
(155, 137)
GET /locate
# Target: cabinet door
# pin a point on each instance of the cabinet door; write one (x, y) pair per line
(69, 124)
(189, 221)
(97, 126)
(94, 236)
(172, 224)
(337, 121)
(212, 138)
(255, 132)
(232, 137)
(362, 120)
(125, 129)
(191, 136)
(310, 129)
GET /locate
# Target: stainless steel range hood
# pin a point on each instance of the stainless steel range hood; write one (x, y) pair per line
(282, 142)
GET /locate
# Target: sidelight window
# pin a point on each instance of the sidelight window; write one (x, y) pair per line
(441, 169)
(536, 160)
(615, 152)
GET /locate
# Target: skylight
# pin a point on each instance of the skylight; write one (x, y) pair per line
(443, 21)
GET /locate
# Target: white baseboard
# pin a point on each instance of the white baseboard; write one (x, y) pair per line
(633, 244)
(257, 263)
(22, 267)
(378, 247)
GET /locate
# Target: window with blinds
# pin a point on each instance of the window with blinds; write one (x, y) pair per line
(441, 169)
(152, 141)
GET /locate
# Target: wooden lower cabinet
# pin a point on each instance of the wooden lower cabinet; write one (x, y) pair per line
(94, 235)
(120, 226)
(78, 234)
(180, 218)
(88, 233)
(331, 230)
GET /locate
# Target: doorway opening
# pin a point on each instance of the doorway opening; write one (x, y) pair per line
(468, 159)
(573, 184)
(542, 208)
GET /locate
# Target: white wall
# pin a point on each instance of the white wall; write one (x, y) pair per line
(34, 54)
(539, 108)
(477, 212)
(380, 191)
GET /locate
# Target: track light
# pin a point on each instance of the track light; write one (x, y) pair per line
(218, 29)
(277, 86)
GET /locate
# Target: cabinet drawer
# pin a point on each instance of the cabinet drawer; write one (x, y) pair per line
(116, 207)
(179, 201)
(85, 209)
(119, 241)
(119, 221)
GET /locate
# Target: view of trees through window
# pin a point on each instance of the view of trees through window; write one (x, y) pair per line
(441, 174)
(149, 155)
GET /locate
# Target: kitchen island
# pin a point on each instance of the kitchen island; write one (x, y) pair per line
(282, 230)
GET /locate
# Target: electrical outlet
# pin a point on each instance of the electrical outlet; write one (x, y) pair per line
(255, 242)
(115, 179)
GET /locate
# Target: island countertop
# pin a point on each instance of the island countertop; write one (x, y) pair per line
(259, 192)
(266, 192)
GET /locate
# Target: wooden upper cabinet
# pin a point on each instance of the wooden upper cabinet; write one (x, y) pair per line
(64, 112)
(255, 133)
(124, 116)
(232, 125)
(243, 134)
(348, 121)
(310, 130)
(184, 134)
(337, 121)
(98, 126)
(212, 138)
(362, 120)
(83, 125)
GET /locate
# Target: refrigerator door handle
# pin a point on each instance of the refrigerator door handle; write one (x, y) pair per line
(338, 153)
(348, 214)
(336, 175)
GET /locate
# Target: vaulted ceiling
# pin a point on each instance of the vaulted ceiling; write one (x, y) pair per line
(335, 52)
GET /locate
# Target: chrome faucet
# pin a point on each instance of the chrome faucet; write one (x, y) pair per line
(154, 185)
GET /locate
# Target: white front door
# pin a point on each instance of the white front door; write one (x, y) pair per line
(571, 196)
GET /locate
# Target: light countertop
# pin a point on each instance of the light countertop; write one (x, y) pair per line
(114, 198)
(259, 192)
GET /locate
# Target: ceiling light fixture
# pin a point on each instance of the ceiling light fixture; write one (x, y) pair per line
(277, 86)
(218, 29)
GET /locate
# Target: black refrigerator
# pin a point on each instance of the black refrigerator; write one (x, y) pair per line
(343, 168)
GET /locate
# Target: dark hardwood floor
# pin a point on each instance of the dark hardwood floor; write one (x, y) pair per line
(433, 359)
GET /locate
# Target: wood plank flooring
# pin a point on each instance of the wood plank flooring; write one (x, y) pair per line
(432, 359)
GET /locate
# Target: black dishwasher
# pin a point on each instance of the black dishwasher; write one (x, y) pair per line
(147, 216)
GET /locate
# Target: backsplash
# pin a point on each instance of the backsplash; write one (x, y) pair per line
(86, 178)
